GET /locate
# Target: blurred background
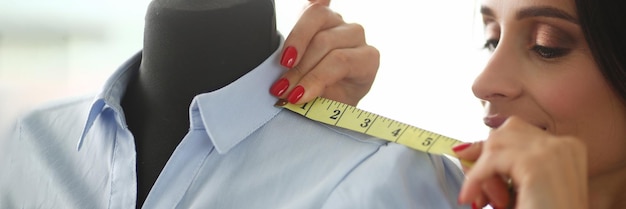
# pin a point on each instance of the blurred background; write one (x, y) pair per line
(430, 54)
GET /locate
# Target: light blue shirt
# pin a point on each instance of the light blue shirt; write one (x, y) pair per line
(240, 152)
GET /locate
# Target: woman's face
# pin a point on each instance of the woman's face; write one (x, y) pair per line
(541, 69)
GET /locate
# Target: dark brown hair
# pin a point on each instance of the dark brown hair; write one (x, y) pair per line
(603, 23)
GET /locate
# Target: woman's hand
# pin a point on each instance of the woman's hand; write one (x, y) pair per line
(546, 171)
(326, 57)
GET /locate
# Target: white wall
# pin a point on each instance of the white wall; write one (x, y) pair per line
(430, 53)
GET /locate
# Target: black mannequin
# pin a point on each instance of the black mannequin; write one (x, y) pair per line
(190, 47)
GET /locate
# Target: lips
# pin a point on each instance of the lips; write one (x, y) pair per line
(495, 121)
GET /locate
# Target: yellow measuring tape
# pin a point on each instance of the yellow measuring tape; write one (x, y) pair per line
(349, 117)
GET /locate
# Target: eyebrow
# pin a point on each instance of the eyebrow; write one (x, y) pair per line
(541, 11)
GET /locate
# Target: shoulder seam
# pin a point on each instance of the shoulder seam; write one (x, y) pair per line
(369, 140)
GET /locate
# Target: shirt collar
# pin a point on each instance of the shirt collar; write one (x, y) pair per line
(111, 95)
(232, 113)
(245, 104)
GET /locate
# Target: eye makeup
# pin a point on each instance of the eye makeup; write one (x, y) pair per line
(549, 36)
(550, 42)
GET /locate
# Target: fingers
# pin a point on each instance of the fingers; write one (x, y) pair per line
(480, 202)
(468, 151)
(316, 17)
(326, 57)
(344, 36)
(357, 66)
(334, 55)
(483, 181)
(496, 191)
(540, 165)
(498, 156)
(494, 157)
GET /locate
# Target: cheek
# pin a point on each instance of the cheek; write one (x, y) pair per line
(580, 103)
(565, 100)
(577, 100)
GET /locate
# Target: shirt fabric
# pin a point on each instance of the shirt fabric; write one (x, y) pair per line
(240, 152)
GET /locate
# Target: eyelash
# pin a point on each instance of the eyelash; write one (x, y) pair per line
(550, 52)
(543, 51)
(491, 44)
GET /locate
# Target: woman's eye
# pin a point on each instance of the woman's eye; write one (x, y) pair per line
(491, 44)
(549, 52)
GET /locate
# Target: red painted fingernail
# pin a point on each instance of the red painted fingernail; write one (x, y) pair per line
(474, 206)
(289, 57)
(461, 147)
(279, 88)
(296, 94)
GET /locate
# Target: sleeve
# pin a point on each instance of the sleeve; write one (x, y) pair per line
(398, 177)
(8, 138)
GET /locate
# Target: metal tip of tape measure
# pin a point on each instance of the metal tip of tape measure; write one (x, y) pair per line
(281, 102)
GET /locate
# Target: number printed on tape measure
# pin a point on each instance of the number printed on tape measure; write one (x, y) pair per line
(349, 117)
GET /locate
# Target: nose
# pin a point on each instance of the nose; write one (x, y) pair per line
(501, 79)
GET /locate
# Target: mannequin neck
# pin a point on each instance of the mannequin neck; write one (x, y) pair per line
(197, 47)
(190, 47)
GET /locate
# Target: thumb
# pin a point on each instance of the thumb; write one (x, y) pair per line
(468, 151)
